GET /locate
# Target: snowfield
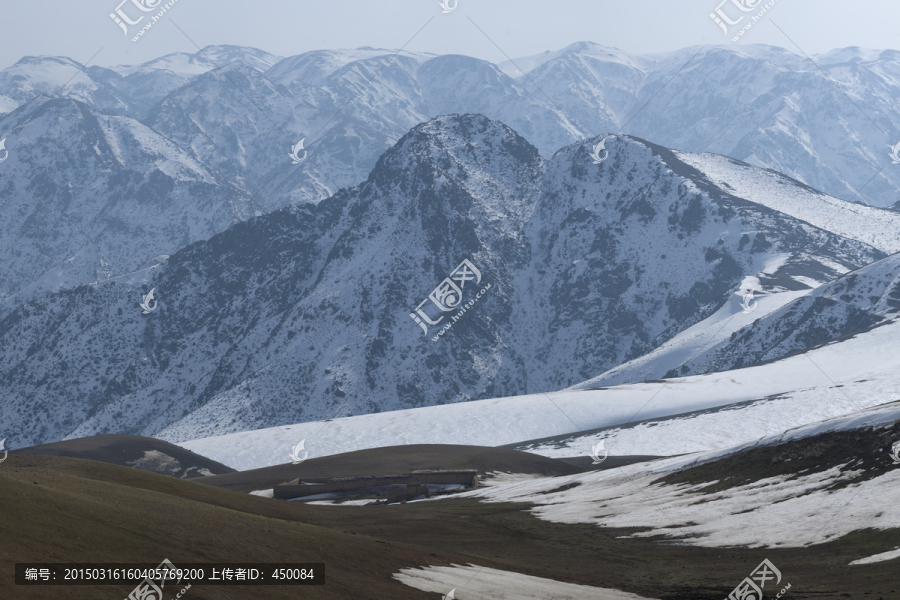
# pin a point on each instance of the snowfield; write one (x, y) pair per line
(785, 511)
(483, 583)
(790, 510)
(777, 396)
(874, 226)
(694, 340)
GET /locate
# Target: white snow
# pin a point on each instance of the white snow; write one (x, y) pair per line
(188, 66)
(692, 341)
(473, 582)
(866, 366)
(338, 502)
(785, 510)
(515, 67)
(874, 226)
(890, 555)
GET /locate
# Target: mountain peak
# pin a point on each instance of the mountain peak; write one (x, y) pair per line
(586, 263)
(453, 140)
(39, 60)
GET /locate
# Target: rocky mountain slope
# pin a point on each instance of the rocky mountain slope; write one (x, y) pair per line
(828, 124)
(574, 267)
(236, 113)
(855, 303)
(128, 90)
(777, 325)
(88, 195)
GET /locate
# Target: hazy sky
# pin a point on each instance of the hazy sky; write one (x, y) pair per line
(79, 29)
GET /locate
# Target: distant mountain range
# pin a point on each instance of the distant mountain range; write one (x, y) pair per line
(243, 106)
(285, 290)
(225, 118)
(287, 316)
(828, 124)
(89, 196)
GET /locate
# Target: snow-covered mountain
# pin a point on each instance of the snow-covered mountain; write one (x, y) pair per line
(240, 110)
(595, 85)
(696, 413)
(750, 103)
(856, 302)
(771, 402)
(828, 124)
(88, 195)
(91, 191)
(127, 89)
(581, 266)
(35, 76)
(778, 325)
(349, 107)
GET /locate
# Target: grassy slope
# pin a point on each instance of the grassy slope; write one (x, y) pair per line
(58, 509)
(120, 449)
(394, 460)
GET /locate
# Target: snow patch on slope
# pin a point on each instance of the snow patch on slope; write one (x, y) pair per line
(692, 341)
(874, 226)
(793, 509)
(482, 583)
(866, 367)
(890, 555)
(787, 510)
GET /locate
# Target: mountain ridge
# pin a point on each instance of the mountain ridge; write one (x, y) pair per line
(257, 325)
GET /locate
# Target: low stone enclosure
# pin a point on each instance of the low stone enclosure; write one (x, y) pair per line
(397, 488)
